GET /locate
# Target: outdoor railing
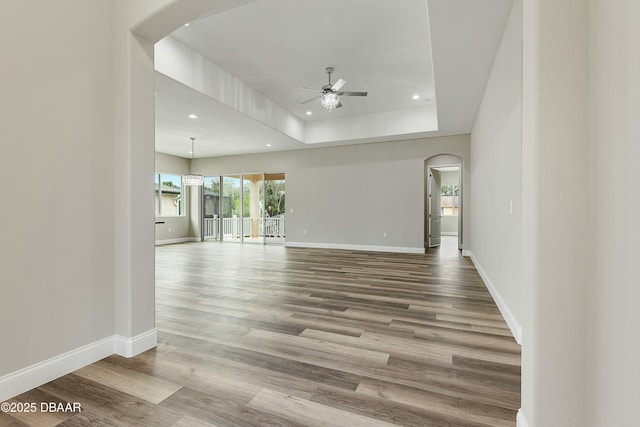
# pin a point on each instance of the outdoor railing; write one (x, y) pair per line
(211, 228)
(273, 227)
(232, 228)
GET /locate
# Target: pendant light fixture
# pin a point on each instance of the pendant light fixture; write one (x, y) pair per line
(192, 179)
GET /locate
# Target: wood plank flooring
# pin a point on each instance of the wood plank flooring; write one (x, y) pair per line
(273, 336)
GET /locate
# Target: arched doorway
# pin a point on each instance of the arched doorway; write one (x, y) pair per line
(443, 199)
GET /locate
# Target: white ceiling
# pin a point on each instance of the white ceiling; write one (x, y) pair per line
(276, 46)
(383, 47)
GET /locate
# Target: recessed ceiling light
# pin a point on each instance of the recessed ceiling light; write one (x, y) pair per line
(416, 96)
(268, 145)
(193, 116)
(309, 113)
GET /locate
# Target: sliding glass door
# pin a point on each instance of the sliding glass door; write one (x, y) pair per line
(232, 208)
(252, 204)
(247, 208)
(274, 208)
(211, 207)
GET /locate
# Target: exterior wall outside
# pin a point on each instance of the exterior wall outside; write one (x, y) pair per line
(173, 228)
(169, 204)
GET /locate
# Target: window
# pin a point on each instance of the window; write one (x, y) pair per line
(211, 188)
(449, 200)
(169, 199)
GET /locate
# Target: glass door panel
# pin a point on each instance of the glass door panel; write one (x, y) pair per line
(231, 208)
(211, 207)
(252, 204)
(274, 208)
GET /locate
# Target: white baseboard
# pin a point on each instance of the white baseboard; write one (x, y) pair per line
(521, 421)
(129, 347)
(466, 252)
(369, 248)
(178, 240)
(512, 322)
(40, 373)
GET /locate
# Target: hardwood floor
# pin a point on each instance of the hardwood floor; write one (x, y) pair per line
(254, 335)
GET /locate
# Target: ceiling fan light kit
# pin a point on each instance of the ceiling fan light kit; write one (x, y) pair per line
(330, 93)
(329, 100)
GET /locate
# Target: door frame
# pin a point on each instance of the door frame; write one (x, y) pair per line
(430, 207)
(432, 162)
(221, 216)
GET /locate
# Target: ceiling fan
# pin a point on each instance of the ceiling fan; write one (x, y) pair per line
(330, 93)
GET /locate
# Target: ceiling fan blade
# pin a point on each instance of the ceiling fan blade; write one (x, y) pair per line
(309, 88)
(309, 100)
(338, 85)
(352, 93)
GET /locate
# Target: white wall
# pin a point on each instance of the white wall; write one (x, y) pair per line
(613, 371)
(449, 225)
(555, 247)
(57, 256)
(496, 154)
(350, 195)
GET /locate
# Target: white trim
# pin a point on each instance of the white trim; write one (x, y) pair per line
(512, 322)
(129, 347)
(369, 248)
(466, 252)
(40, 373)
(521, 421)
(448, 233)
(178, 240)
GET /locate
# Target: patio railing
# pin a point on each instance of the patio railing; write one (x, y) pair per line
(232, 228)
